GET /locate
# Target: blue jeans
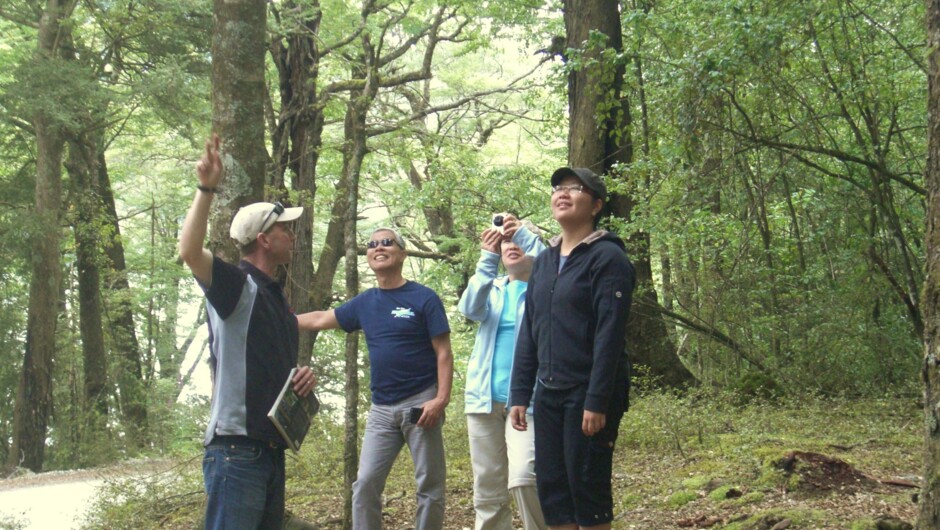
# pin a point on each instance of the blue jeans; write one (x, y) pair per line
(244, 481)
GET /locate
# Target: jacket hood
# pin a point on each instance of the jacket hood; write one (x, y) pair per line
(597, 235)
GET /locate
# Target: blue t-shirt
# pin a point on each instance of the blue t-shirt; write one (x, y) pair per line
(505, 342)
(399, 325)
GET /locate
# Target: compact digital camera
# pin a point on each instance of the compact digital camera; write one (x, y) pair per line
(498, 222)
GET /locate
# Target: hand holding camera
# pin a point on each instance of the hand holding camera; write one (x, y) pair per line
(502, 228)
(508, 224)
(499, 221)
(490, 240)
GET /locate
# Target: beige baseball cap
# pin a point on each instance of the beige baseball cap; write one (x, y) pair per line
(258, 217)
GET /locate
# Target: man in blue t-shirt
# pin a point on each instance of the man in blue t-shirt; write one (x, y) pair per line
(412, 368)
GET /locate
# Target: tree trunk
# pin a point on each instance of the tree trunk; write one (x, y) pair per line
(297, 138)
(34, 389)
(929, 518)
(238, 93)
(356, 151)
(86, 226)
(600, 142)
(439, 217)
(120, 312)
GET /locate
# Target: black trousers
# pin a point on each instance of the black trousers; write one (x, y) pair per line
(573, 471)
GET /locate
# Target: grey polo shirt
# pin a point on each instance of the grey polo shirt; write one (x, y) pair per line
(253, 345)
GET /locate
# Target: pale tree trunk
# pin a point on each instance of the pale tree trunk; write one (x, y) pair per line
(930, 493)
(34, 389)
(354, 152)
(600, 142)
(238, 94)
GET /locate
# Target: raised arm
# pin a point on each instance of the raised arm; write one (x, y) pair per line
(473, 302)
(193, 234)
(518, 233)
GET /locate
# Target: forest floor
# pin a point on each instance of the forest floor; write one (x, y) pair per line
(691, 462)
(682, 462)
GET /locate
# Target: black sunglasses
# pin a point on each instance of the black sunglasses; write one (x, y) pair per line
(276, 212)
(387, 242)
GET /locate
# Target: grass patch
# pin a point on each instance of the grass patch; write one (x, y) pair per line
(696, 483)
(681, 498)
(798, 519)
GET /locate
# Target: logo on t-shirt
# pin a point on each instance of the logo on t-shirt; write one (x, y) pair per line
(402, 312)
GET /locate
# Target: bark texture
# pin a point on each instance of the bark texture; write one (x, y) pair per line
(297, 138)
(599, 138)
(929, 518)
(238, 94)
(34, 389)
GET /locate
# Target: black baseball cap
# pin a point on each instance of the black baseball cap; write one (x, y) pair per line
(586, 176)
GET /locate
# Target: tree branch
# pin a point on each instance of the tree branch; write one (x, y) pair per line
(18, 18)
(451, 105)
(707, 331)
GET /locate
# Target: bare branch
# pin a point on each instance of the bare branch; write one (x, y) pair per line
(423, 113)
(914, 56)
(843, 157)
(708, 331)
(16, 122)
(408, 44)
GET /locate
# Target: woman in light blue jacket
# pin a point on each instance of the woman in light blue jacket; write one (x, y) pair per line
(503, 458)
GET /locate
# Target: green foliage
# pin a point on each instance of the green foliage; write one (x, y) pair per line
(759, 186)
(161, 497)
(651, 478)
(755, 385)
(696, 482)
(777, 175)
(798, 519)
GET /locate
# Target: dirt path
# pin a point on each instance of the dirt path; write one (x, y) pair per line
(58, 499)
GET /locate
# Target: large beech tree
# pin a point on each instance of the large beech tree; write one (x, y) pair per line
(34, 391)
(238, 95)
(599, 138)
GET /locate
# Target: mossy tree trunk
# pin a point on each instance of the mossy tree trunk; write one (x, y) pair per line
(34, 390)
(297, 137)
(930, 494)
(599, 138)
(238, 95)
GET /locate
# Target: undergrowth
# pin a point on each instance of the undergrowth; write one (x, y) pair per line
(700, 454)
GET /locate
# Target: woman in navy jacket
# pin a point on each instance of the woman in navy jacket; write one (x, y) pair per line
(570, 349)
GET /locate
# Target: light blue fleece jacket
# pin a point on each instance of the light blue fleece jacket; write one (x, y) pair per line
(482, 302)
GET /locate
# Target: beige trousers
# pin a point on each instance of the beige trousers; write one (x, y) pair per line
(503, 461)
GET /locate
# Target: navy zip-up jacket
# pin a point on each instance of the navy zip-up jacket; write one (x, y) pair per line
(574, 328)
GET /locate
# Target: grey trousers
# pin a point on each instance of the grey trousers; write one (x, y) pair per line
(387, 431)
